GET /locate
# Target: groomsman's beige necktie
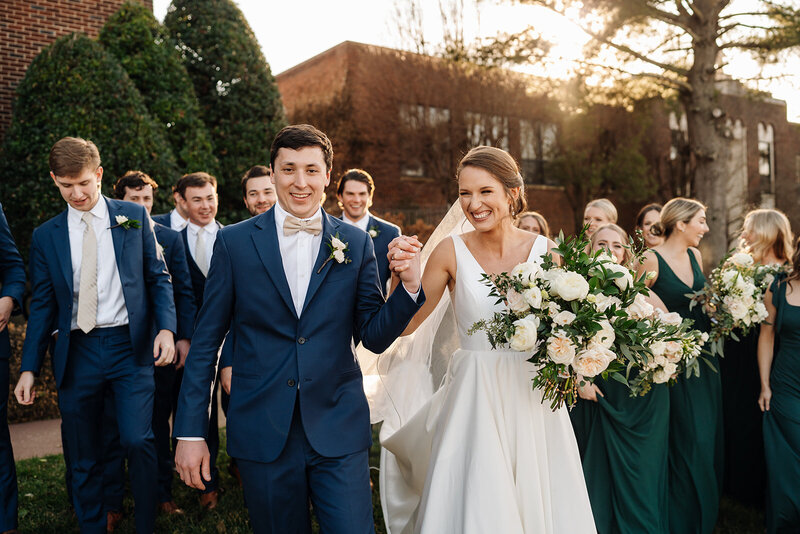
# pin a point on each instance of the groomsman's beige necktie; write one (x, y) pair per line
(87, 291)
(200, 253)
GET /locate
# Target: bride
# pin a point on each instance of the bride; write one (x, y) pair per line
(481, 454)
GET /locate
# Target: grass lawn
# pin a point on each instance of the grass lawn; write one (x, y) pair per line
(43, 507)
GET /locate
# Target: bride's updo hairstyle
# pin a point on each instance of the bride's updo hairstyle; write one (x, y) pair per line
(768, 230)
(502, 166)
(676, 210)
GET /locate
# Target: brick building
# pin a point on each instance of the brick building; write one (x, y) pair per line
(27, 26)
(408, 119)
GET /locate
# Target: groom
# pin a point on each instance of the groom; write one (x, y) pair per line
(293, 285)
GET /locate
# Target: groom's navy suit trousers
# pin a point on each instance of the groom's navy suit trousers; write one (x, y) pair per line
(298, 420)
(12, 279)
(119, 358)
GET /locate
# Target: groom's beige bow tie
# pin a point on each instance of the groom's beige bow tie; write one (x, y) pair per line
(292, 225)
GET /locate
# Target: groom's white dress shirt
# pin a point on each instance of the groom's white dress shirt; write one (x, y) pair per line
(298, 253)
(111, 310)
(208, 234)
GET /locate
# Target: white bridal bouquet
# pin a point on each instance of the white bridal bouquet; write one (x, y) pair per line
(585, 318)
(734, 296)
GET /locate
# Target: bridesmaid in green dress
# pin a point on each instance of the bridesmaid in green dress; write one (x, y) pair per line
(780, 401)
(625, 441)
(767, 236)
(695, 412)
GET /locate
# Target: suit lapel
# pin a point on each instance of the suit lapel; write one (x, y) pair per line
(265, 240)
(118, 232)
(62, 248)
(330, 226)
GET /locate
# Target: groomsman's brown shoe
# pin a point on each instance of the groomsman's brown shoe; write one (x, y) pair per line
(169, 508)
(209, 500)
(112, 521)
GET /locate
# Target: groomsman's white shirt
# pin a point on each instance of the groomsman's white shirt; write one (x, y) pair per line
(176, 222)
(361, 223)
(111, 310)
(209, 237)
(298, 253)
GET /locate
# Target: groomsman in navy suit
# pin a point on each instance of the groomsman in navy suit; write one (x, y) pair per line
(12, 280)
(99, 278)
(355, 191)
(139, 188)
(296, 283)
(258, 190)
(198, 195)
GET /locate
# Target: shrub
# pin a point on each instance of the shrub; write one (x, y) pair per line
(74, 88)
(239, 100)
(141, 45)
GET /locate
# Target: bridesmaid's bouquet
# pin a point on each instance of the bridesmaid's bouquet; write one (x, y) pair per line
(585, 318)
(734, 296)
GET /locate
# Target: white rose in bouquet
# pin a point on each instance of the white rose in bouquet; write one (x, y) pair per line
(560, 349)
(736, 307)
(670, 318)
(592, 360)
(729, 277)
(606, 336)
(663, 375)
(528, 271)
(525, 334)
(553, 309)
(550, 276)
(673, 351)
(516, 301)
(626, 280)
(604, 302)
(564, 318)
(742, 259)
(533, 296)
(761, 311)
(658, 348)
(571, 286)
(640, 308)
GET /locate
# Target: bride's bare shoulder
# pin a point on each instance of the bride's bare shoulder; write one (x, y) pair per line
(444, 253)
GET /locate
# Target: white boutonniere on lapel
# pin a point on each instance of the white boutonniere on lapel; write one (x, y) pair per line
(374, 231)
(126, 223)
(338, 249)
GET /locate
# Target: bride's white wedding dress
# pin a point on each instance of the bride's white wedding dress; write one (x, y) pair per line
(484, 455)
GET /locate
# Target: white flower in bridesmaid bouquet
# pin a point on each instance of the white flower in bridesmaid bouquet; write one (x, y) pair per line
(623, 282)
(640, 308)
(563, 318)
(605, 337)
(525, 334)
(603, 302)
(516, 302)
(592, 360)
(571, 286)
(533, 296)
(560, 349)
(742, 259)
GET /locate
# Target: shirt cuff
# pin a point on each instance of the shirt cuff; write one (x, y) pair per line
(410, 294)
(190, 439)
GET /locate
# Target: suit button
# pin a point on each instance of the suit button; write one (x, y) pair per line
(290, 383)
(302, 340)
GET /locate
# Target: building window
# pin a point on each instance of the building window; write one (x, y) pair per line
(766, 158)
(537, 146)
(424, 133)
(491, 130)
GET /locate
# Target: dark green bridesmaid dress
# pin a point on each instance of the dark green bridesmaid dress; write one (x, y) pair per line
(695, 420)
(782, 421)
(625, 459)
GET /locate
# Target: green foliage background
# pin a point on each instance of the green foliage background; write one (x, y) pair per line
(74, 88)
(239, 100)
(142, 46)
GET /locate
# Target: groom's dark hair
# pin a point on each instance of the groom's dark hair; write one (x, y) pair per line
(297, 136)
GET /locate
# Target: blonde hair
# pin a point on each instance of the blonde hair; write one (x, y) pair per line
(539, 219)
(623, 235)
(676, 210)
(604, 205)
(502, 166)
(769, 231)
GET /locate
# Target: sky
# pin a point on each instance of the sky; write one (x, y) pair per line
(291, 31)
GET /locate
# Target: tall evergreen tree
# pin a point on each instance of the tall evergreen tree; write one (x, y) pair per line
(238, 96)
(74, 88)
(141, 44)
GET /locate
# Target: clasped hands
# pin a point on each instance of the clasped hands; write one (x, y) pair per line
(404, 261)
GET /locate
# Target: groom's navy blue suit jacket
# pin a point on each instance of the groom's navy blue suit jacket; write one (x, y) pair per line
(145, 281)
(275, 352)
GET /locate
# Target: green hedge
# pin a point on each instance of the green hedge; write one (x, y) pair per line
(75, 88)
(239, 99)
(141, 44)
